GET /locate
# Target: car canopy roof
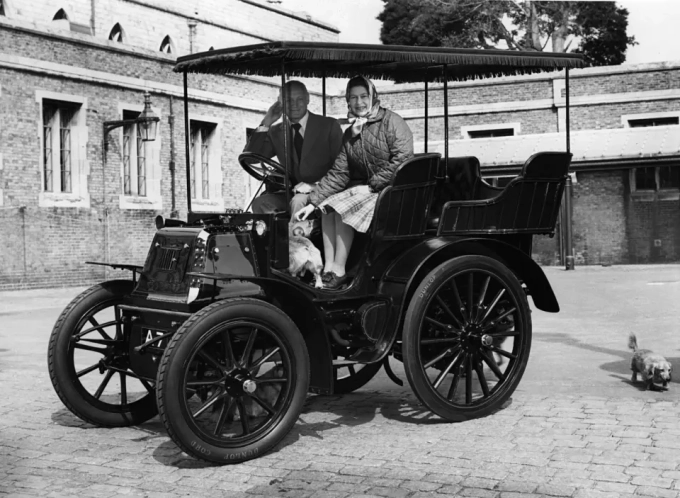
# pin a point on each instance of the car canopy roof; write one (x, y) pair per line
(394, 62)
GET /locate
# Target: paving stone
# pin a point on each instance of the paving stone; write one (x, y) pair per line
(551, 489)
(657, 492)
(516, 486)
(616, 487)
(478, 492)
(657, 482)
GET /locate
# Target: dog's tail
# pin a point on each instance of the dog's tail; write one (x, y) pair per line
(632, 341)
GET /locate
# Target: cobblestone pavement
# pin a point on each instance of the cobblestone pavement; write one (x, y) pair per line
(576, 426)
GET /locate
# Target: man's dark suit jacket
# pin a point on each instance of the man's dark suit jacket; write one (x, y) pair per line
(321, 145)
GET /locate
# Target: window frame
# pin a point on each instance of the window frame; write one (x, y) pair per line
(465, 130)
(627, 118)
(215, 199)
(666, 193)
(169, 44)
(134, 154)
(77, 195)
(151, 198)
(120, 32)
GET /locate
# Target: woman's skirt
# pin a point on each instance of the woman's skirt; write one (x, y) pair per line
(354, 205)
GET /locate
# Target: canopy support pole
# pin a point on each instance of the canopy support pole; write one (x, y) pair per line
(187, 146)
(286, 131)
(426, 111)
(568, 233)
(323, 92)
(446, 116)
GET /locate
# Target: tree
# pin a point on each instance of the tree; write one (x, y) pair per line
(595, 29)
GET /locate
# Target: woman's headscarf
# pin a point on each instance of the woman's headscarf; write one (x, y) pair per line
(357, 121)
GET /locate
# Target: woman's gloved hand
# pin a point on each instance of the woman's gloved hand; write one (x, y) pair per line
(303, 213)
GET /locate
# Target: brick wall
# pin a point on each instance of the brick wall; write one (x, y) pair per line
(48, 247)
(649, 220)
(220, 23)
(599, 226)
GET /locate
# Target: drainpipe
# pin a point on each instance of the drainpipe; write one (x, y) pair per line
(22, 210)
(568, 243)
(92, 12)
(568, 239)
(171, 124)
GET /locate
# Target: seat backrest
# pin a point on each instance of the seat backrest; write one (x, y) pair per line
(403, 207)
(530, 203)
(547, 166)
(464, 178)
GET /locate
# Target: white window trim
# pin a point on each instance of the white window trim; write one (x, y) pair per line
(465, 130)
(214, 204)
(79, 197)
(153, 200)
(626, 118)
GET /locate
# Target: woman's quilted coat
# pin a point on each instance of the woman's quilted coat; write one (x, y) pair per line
(370, 158)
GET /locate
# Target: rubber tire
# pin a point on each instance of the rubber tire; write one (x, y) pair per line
(419, 303)
(169, 391)
(62, 373)
(350, 384)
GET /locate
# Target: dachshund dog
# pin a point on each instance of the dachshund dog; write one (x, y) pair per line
(303, 255)
(653, 368)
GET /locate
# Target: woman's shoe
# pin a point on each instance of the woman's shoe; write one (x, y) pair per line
(326, 276)
(335, 282)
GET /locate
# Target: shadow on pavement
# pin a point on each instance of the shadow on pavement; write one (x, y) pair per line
(65, 418)
(352, 409)
(620, 369)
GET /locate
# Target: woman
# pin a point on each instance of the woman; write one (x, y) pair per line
(375, 144)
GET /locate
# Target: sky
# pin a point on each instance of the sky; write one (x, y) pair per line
(652, 22)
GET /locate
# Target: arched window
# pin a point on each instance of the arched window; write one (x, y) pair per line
(60, 16)
(117, 34)
(166, 45)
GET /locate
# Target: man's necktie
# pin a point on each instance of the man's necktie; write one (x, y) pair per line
(297, 140)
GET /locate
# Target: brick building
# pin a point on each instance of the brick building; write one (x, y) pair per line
(625, 137)
(68, 66)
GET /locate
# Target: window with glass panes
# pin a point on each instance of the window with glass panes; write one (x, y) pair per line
(659, 121)
(58, 119)
(491, 133)
(657, 178)
(134, 158)
(199, 155)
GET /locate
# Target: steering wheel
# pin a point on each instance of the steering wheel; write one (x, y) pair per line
(263, 168)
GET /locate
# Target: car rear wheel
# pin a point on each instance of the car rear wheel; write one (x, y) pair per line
(233, 380)
(89, 363)
(466, 337)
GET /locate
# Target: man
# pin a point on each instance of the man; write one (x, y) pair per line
(314, 143)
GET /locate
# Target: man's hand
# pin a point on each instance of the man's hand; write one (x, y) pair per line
(303, 188)
(273, 114)
(303, 213)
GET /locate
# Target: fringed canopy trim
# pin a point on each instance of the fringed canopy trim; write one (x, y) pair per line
(395, 62)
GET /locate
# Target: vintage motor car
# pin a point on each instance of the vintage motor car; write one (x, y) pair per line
(215, 335)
